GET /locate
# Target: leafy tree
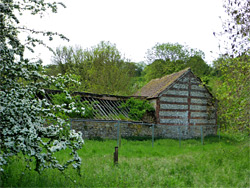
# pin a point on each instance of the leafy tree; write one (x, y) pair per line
(232, 70)
(232, 90)
(160, 68)
(198, 66)
(138, 79)
(64, 59)
(171, 52)
(101, 69)
(70, 60)
(109, 72)
(169, 58)
(51, 70)
(28, 124)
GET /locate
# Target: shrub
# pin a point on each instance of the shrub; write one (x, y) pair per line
(81, 109)
(137, 108)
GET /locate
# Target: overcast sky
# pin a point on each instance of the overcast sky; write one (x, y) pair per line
(134, 25)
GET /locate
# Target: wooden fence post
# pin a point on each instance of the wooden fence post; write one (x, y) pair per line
(117, 135)
(116, 156)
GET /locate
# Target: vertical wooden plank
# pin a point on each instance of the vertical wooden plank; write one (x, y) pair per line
(117, 135)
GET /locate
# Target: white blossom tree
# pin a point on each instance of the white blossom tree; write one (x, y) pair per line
(28, 123)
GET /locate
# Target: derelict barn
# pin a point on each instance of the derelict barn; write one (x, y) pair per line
(183, 108)
(181, 99)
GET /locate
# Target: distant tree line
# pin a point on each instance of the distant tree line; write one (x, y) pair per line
(102, 68)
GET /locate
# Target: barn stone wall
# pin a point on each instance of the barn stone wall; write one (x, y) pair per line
(109, 130)
(186, 103)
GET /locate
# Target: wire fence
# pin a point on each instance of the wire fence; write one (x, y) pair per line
(180, 132)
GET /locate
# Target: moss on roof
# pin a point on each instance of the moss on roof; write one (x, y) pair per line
(156, 86)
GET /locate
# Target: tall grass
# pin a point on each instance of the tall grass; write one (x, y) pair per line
(214, 164)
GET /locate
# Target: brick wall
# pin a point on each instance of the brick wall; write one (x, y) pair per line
(109, 130)
(186, 103)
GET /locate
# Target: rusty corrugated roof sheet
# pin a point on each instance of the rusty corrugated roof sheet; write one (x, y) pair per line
(156, 86)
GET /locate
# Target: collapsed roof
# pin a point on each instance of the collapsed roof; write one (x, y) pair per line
(105, 107)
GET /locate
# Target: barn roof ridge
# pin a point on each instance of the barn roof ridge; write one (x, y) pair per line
(156, 86)
(167, 86)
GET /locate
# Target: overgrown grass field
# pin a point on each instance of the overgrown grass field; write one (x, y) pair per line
(223, 163)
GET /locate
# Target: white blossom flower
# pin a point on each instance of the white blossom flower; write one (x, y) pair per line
(28, 124)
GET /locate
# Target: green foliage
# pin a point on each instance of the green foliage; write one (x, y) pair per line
(51, 70)
(160, 68)
(80, 110)
(155, 70)
(137, 108)
(231, 82)
(232, 89)
(168, 58)
(198, 66)
(60, 99)
(215, 164)
(171, 52)
(101, 69)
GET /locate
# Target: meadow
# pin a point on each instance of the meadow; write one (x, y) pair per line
(217, 163)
